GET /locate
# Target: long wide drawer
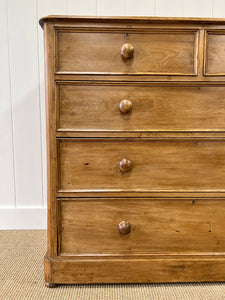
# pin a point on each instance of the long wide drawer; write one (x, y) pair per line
(141, 165)
(172, 52)
(108, 107)
(134, 226)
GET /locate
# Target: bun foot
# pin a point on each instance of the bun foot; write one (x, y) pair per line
(51, 285)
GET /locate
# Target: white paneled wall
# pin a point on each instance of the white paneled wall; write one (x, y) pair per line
(199, 8)
(169, 8)
(24, 78)
(22, 109)
(111, 8)
(7, 183)
(140, 7)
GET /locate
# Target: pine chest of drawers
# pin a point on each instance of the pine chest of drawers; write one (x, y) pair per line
(136, 149)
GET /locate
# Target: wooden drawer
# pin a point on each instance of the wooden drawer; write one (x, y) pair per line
(167, 52)
(214, 53)
(164, 226)
(101, 107)
(141, 165)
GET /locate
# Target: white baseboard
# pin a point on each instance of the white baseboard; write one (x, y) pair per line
(23, 218)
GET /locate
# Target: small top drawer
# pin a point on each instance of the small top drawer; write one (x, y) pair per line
(214, 53)
(147, 52)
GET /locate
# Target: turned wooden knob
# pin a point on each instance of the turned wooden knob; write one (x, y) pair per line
(127, 51)
(124, 227)
(125, 165)
(125, 106)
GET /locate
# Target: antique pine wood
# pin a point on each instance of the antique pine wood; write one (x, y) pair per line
(156, 52)
(214, 53)
(155, 165)
(95, 106)
(136, 149)
(156, 226)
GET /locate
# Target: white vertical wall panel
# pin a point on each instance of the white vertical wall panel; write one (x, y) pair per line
(140, 8)
(7, 198)
(198, 8)
(45, 8)
(111, 7)
(23, 50)
(84, 7)
(219, 8)
(171, 8)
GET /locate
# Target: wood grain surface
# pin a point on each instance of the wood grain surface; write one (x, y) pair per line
(96, 107)
(158, 165)
(214, 58)
(158, 226)
(133, 270)
(156, 52)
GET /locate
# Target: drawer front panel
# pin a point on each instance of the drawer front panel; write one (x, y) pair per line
(101, 107)
(122, 52)
(214, 54)
(155, 226)
(141, 165)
